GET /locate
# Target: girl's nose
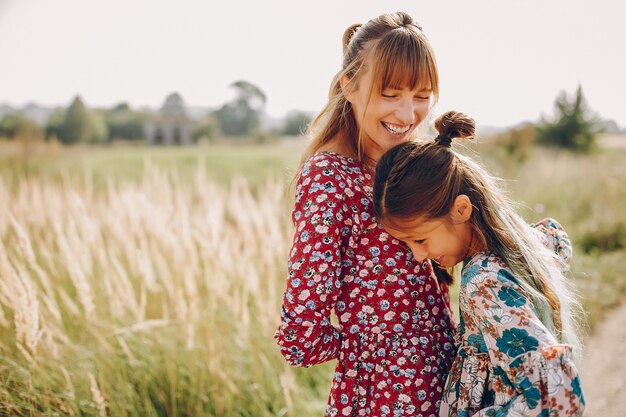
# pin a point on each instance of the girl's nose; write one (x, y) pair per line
(419, 254)
(418, 257)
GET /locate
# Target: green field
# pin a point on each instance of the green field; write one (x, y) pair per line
(147, 281)
(128, 163)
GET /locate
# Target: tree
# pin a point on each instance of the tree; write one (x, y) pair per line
(296, 123)
(124, 123)
(54, 123)
(242, 115)
(8, 125)
(99, 130)
(81, 125)
(12, 123)
(76, 126)
(574, 126)
(174, 105)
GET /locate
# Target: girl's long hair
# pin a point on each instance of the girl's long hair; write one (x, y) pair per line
(399, 55)
(423, 179)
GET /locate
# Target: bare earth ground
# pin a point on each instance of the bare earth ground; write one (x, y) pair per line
(604, 367)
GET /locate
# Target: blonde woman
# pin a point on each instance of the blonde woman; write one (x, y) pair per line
(394, 341)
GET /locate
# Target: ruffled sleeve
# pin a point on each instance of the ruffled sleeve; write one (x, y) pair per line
(538, 376)
(555, 238)
(321, 218)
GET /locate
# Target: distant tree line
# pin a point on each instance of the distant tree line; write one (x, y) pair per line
(240, 117)
(573, 125)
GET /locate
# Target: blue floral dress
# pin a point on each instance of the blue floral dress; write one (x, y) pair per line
(508, 363)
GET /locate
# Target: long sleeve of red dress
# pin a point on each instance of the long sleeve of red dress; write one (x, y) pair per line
(306, 335)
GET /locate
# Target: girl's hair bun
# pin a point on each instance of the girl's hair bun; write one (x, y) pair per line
(454, 124)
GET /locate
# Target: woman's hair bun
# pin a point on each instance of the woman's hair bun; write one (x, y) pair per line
(348, 34)
(406, 19)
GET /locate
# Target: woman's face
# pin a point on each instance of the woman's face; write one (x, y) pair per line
(387, 118)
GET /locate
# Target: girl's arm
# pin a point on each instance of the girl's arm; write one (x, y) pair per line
(555, 238)
(539, 376)
(306, 336)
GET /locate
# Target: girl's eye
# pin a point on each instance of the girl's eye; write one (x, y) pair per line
(419, 241)
(388, 95)
(422, 97)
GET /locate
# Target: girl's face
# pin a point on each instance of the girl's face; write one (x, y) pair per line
(446, 240)
(387, 118)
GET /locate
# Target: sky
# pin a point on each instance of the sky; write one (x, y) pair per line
(500, 61)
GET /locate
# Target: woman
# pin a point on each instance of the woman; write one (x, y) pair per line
(394, 342)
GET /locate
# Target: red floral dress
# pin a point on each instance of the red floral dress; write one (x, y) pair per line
(395, 339)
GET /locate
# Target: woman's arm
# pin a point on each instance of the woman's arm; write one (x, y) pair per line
(322, 225)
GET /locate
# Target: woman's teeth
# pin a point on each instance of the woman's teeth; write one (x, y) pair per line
(396, 130)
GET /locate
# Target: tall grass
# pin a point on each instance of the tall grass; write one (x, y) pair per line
(586, 193)
(153, 298)
(159, 295)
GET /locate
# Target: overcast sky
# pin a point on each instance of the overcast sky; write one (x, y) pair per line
(500, 61)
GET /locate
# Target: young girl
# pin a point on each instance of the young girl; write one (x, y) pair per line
(517, 331)
(394, 342)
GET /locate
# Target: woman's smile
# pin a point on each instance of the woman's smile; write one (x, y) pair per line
(396, 129)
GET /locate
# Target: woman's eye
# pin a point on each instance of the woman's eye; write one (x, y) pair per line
(419, 241)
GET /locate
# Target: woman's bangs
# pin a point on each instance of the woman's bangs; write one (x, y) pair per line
(402, 60)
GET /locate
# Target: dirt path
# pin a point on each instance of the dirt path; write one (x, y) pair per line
(604, 367)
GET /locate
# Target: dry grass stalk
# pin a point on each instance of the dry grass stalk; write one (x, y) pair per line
(97, 396)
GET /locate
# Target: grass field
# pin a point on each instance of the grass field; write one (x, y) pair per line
(147, 282)
(128, 163)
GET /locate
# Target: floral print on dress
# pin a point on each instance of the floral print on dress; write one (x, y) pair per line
(394, 343)
(508, 363)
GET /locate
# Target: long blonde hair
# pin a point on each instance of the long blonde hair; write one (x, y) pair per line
(399, 55)
(423, 179)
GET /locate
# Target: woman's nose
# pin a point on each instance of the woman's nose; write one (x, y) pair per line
(406, 111)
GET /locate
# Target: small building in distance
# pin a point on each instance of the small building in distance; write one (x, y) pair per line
(170, 125)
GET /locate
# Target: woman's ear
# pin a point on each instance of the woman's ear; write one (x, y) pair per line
(346, 87)
(461, 209)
